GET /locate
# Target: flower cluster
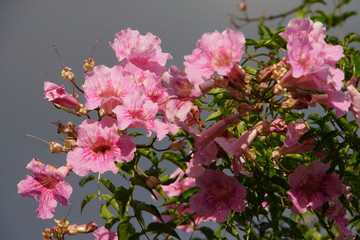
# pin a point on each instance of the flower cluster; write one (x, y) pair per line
(225, 162)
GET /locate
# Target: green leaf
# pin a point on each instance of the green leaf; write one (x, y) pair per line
(105, 212)
(86, 180)
(87, 199)
(214, 116)
(162, 228)
(356, 65)
(108, 184)
(352, 37)
(264, 31)
(111, 200)
(208, 232)
(125, 228)
(141, 206)
(122, 196)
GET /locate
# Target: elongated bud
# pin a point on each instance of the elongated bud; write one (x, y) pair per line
(55, 147)
(152, 182)
(87, 228)
(81, 111)
(177, 145)
(294, 103)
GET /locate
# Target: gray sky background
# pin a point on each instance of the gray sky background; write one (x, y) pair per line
(29, 29)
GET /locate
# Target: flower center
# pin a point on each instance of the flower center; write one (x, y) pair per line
(102, 149)
(221, 59)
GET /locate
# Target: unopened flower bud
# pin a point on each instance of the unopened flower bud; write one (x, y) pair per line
(258, 106)
(262, 128)
(152, 182)
(102, 113)
(177, 145)
(241, 6)
(67, 74)
(89, 65)
(294, 103)
(55, 147)
(278, 89)
(47, 234)
(86, 228)
(250, 154)
(244, 109)
(70, 144)
(263, 85)
(81, 111)
(275, 155)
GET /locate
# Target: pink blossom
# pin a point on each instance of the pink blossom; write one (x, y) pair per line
(291, 142)
(104, 86)
(215, 53)
(142, 50)
(355, 100)
(312, 186)
(58, 95)
(139, 111)
(47, 183)
(180, 184)
(99, 145)
(313, 63)
(205, 147)
(179, 86)
(219, 194)
(304, 27)
(104, 234)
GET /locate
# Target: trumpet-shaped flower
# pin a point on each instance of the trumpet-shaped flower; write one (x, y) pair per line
(57, 94)
(104, 234)
(104, 85)
(219, 194)
(142, 50)
(312, 186)
(47, 183)
(139, 111)
(215, 53)
(99, 145)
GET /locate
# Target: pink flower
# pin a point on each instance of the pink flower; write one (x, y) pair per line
(180, 185)
(355, 99)
(304, 27)
(99, 145)
(104, 234)
(48, 183)
(215, 53)
(313, 63)
(205, 147)
(55, 94)
(139, 111)
(219, 194)
(104, 86)
(291, 142)
(312, 186)
(142, 50)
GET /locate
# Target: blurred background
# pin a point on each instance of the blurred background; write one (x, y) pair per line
(28, 31)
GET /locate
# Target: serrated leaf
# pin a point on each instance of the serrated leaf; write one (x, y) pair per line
(108, 184)
(162, 228)
(141, 206)
(105, 212)
(86, 180)
(86, 200)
